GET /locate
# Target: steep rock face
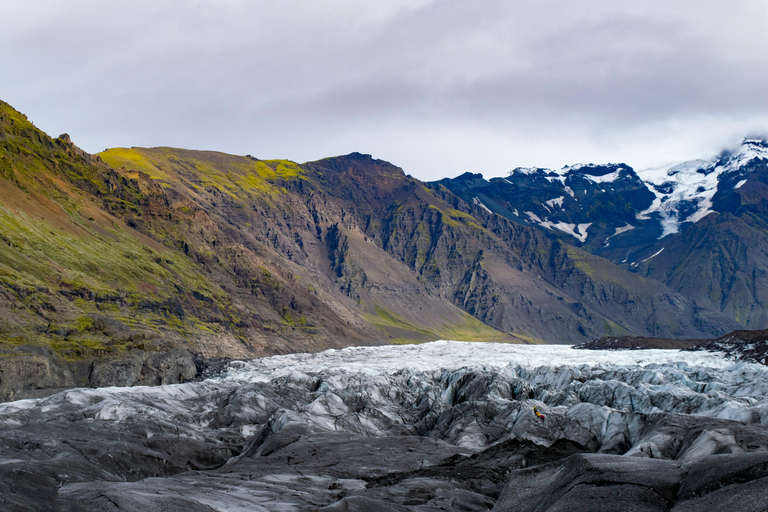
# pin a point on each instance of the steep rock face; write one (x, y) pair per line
(582, 205)
(411, 260)
(719, 263)
(146, 251)
(99, 264)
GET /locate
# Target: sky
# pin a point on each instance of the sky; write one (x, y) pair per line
(438, 87)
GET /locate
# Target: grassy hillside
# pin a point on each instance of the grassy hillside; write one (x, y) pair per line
(68, 257)
(158, 248)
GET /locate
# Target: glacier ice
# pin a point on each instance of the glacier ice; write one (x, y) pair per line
(383, 423)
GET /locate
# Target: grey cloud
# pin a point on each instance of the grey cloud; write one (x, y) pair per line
(436, 86)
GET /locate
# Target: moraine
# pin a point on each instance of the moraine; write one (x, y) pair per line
(443, 425)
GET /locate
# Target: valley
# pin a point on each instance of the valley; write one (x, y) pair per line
(110, 262)
(272, 329)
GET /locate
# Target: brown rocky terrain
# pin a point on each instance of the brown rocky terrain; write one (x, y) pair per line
(637, 343)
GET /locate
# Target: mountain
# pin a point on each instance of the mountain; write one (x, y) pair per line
(582, 205)
(412, 258)
(698, 227)
(143, 265)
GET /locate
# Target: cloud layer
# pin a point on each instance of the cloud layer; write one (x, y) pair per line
(438, 87)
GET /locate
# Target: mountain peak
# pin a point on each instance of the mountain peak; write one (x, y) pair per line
(358, 156)
(531, 171)
(755, 140)
(470, 176)
(595, 169)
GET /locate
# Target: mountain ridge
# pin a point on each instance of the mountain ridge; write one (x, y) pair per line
(699, 227)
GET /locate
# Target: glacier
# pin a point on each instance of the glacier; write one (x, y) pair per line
(438, 426)
(696, 182)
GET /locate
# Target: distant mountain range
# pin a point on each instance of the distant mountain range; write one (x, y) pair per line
(110, 262)
(699, 227)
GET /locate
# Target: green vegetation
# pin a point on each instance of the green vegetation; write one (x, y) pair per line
(237, 177)
(604, 271)
(65, 254)
(532, 340)
(456, 218)
(580, 262)
(34, 253)
(614, 329)
(468, 329)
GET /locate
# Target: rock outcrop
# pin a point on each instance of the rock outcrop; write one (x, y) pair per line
(698, 227)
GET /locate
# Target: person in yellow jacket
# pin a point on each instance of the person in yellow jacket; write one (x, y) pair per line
(538, 414)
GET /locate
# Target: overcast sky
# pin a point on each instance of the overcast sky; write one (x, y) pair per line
(437, 87)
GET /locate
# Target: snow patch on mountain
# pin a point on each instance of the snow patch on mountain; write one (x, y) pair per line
(535, 218)
(623, 229)
(619, 230)
(653, 255)
(557, 201)
(578, 231)
(530, 170)
(694, 183)
(583, 230)
(553, 179)
(561, 226)
(479, 203)
(607, 178)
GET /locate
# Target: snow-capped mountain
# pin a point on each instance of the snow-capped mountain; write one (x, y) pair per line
(698, 226)
(684, 192)
(577, 203)
(599, 202)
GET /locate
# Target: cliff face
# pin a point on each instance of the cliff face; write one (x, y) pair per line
(109, 263)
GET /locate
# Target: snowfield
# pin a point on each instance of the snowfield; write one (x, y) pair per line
(374, 427)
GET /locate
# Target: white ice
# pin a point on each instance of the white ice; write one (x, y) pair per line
(602, 394)
(690, 185)
(479, 203)
(619, 230)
